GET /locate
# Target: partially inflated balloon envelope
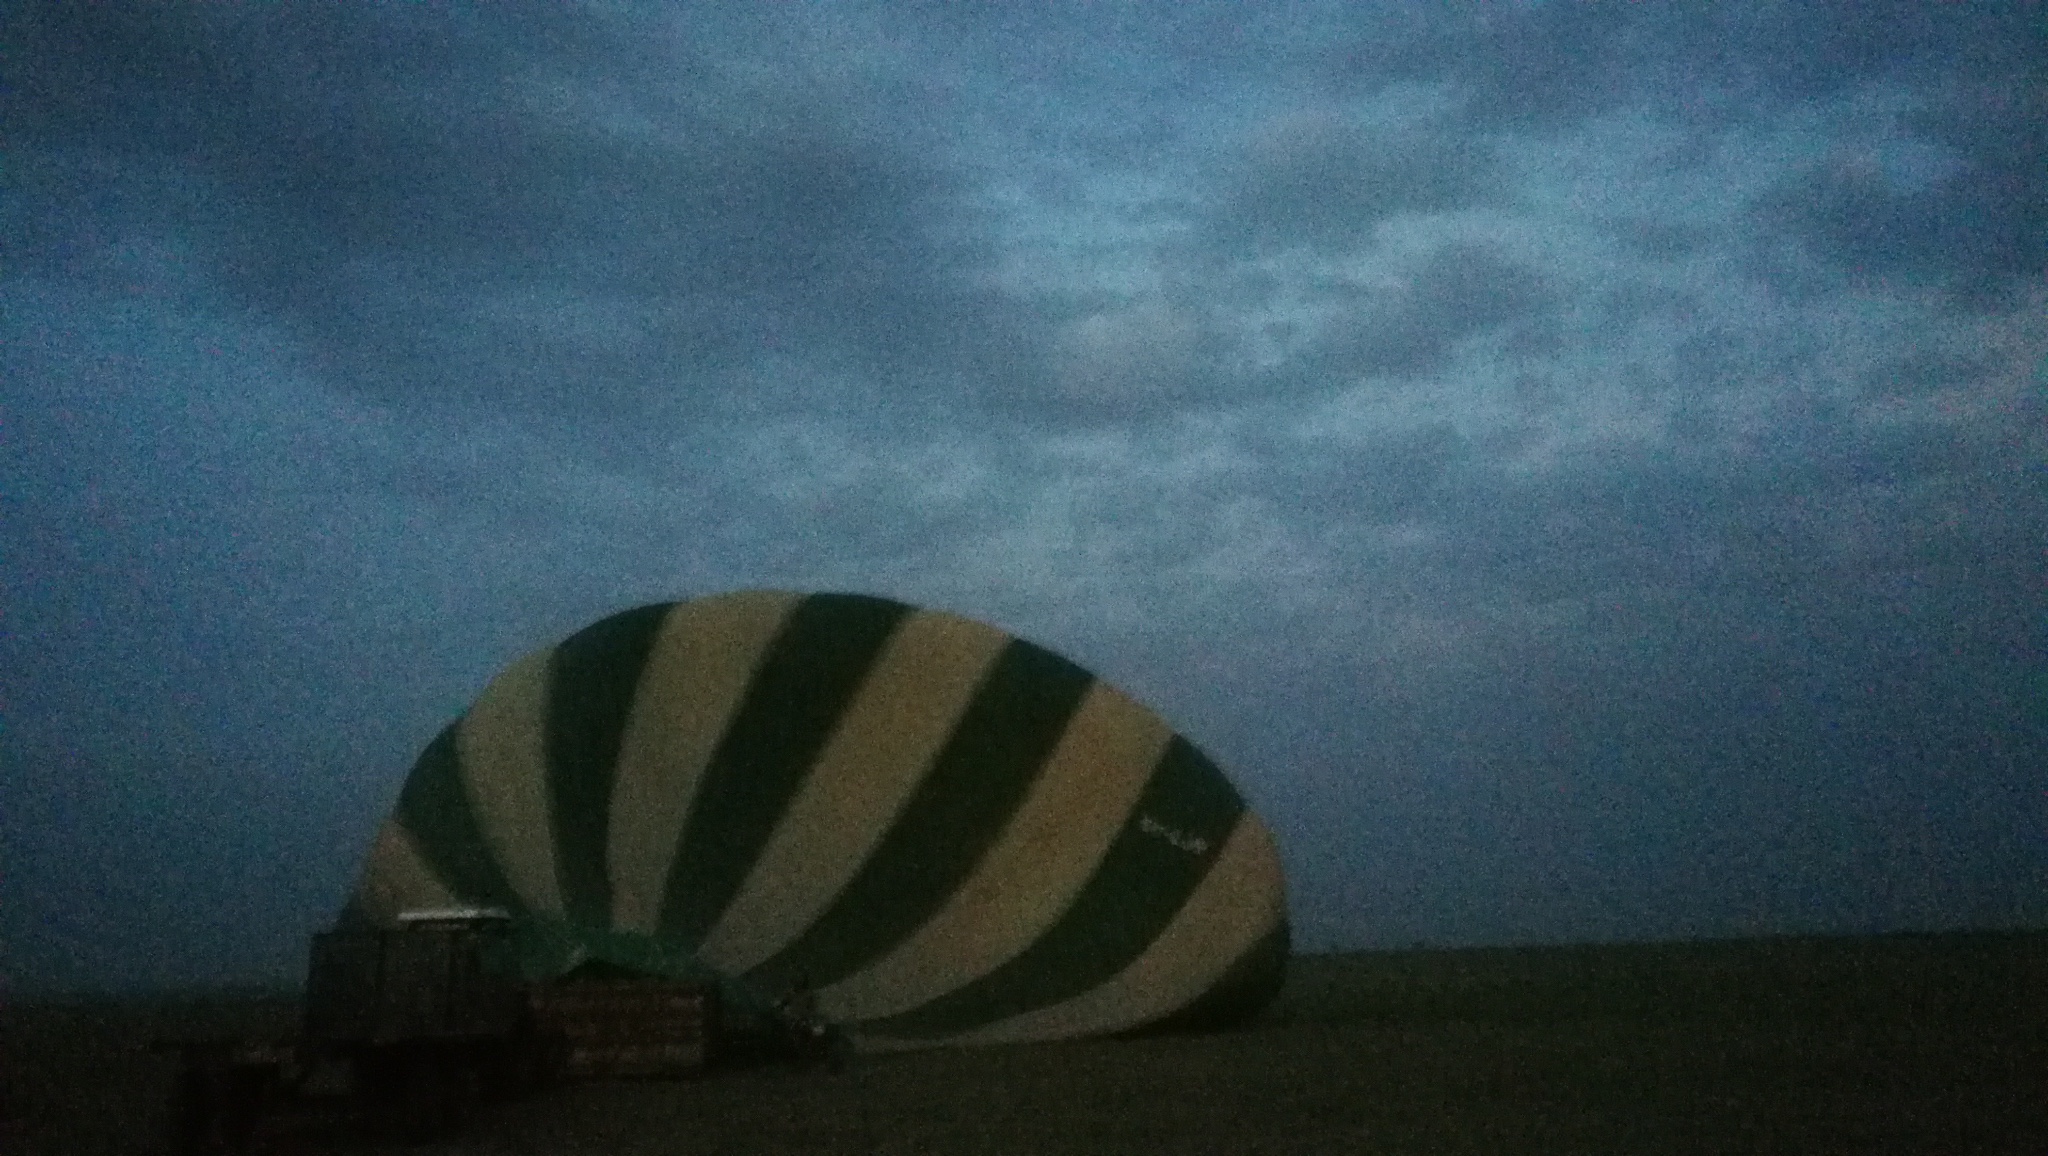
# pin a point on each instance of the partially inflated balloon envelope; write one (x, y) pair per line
(953, 835)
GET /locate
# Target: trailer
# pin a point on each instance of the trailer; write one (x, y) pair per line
(408, 1027)
(608, 1024)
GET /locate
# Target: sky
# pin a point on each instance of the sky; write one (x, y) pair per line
(1578, 467)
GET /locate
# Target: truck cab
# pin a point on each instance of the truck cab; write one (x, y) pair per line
(443, 975)
(429, 1014)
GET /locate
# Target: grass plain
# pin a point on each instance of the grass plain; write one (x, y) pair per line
(1935, 1044)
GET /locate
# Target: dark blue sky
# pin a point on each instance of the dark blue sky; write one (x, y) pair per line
(1579, 467)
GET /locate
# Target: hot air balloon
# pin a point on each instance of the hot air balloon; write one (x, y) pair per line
(952, 835)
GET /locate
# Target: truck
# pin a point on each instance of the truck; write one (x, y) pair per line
(406, 1027)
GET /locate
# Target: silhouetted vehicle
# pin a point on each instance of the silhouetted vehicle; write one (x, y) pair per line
(414, 1024)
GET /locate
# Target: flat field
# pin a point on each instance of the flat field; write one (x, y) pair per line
(1935, 1044)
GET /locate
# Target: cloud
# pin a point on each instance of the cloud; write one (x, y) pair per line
(1575, 464)
(1325, 176)
(527, 233)
(1409, 328)
(1543, 67)
(1960, 208)
(1146, 355)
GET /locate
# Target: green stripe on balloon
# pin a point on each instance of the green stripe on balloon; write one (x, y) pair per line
(434, 808)
(1245, 988)
(591, 679)
(974, 786)
(808, 676)
(1149, 871)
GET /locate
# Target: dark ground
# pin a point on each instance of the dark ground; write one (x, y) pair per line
(1933, 1044)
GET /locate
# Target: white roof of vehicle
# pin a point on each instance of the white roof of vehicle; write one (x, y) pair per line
(454, 915)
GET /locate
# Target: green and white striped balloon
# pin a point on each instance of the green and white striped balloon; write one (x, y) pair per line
(954, 835)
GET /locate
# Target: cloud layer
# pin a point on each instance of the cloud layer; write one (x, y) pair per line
(1578, 466)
